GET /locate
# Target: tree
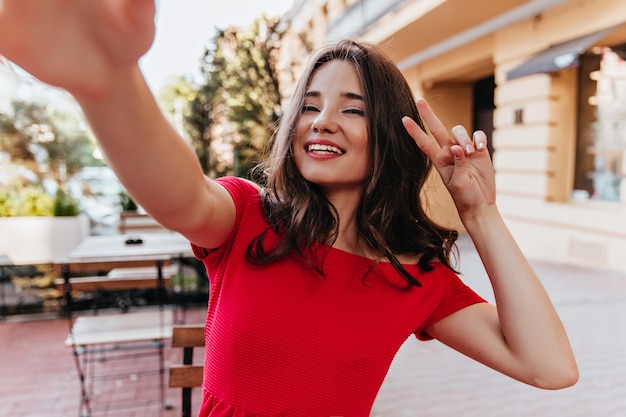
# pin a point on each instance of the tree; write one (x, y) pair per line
(238, 103)
(50, 143)
(252, 90)
(207, 113)
(174, 99)
(15, 143)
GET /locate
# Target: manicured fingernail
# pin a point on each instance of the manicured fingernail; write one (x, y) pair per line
(469, 148)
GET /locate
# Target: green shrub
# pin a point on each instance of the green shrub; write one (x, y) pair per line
(6, 203)
(126, 202)
(34, 201)
(64, 204)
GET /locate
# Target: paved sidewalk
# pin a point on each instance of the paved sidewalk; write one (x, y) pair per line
(426, 379)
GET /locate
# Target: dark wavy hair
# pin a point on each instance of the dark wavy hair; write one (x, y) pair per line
(390, 216)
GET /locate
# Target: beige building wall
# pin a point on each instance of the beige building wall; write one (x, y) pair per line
(535, 159)
(449, 101)
(444, 47)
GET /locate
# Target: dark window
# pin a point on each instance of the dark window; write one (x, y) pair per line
(601, 142)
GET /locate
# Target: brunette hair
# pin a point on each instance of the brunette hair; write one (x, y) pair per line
(390, 215)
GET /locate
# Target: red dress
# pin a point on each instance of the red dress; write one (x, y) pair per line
(283, 341)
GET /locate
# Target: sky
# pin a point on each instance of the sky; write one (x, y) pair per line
(183, 28)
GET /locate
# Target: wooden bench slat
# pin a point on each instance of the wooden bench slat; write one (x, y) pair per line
(119, 279)
(188, 335)
(103, 283)
(185, 376)
(142, 272)
(107, 266)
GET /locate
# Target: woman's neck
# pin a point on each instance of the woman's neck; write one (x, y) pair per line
(348, 239)
(346, 203)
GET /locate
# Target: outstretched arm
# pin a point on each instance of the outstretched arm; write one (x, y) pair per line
(522, 336)
(91, 49)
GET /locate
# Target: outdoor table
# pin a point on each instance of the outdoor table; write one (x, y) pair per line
(106, 252)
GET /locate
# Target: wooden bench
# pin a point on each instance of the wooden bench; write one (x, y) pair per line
(187, 375)
(119, 279)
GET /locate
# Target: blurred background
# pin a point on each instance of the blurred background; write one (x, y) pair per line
(545, 79)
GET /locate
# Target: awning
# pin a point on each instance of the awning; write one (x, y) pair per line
(559, 56)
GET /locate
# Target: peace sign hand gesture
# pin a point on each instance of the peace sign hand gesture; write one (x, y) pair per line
(462, 162)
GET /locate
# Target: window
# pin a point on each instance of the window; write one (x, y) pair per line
(601, 148)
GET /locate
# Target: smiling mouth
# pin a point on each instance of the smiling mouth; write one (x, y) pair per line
(324, 149)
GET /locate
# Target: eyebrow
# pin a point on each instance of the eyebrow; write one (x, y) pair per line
(352, 96)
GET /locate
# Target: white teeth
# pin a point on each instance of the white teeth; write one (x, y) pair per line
(324, 148)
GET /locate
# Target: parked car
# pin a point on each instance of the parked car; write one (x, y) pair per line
(98, 191)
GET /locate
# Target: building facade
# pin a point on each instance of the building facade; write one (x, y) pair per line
(546, 79)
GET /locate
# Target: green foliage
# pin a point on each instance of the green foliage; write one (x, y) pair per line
(48, 142)
(28, 201)
(7, 208)
(207, 111)
(126, 202)
(64, 204)
(240, 94)
(174, 99)
(34, 201)
(252, 90)
(186, 283)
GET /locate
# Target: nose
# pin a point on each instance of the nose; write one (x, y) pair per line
(324, 123)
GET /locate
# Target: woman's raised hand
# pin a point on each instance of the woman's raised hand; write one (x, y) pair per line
(462, 162)
(77, 45)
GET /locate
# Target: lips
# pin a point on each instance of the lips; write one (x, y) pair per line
(324, 149)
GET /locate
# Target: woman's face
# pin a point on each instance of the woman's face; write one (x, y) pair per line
(330, 144)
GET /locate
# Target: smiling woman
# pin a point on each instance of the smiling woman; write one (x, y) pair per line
(323, 269)
(331, 146)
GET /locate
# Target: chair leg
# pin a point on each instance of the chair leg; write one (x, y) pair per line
(186, 405)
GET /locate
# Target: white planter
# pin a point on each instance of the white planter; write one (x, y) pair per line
(41, 240)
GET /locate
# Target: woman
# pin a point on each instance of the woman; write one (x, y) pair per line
(322, 271)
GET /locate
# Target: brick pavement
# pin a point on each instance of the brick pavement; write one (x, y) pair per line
(426, 379)
(39, 376)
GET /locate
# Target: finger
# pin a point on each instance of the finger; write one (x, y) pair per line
(480, 140)
(461, 167)
(437, 129)
(463, 139)
(426, 143)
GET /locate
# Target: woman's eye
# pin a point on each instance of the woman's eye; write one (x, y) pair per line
(308, 107)
(355, 111)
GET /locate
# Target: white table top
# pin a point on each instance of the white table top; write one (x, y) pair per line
(112, 248)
